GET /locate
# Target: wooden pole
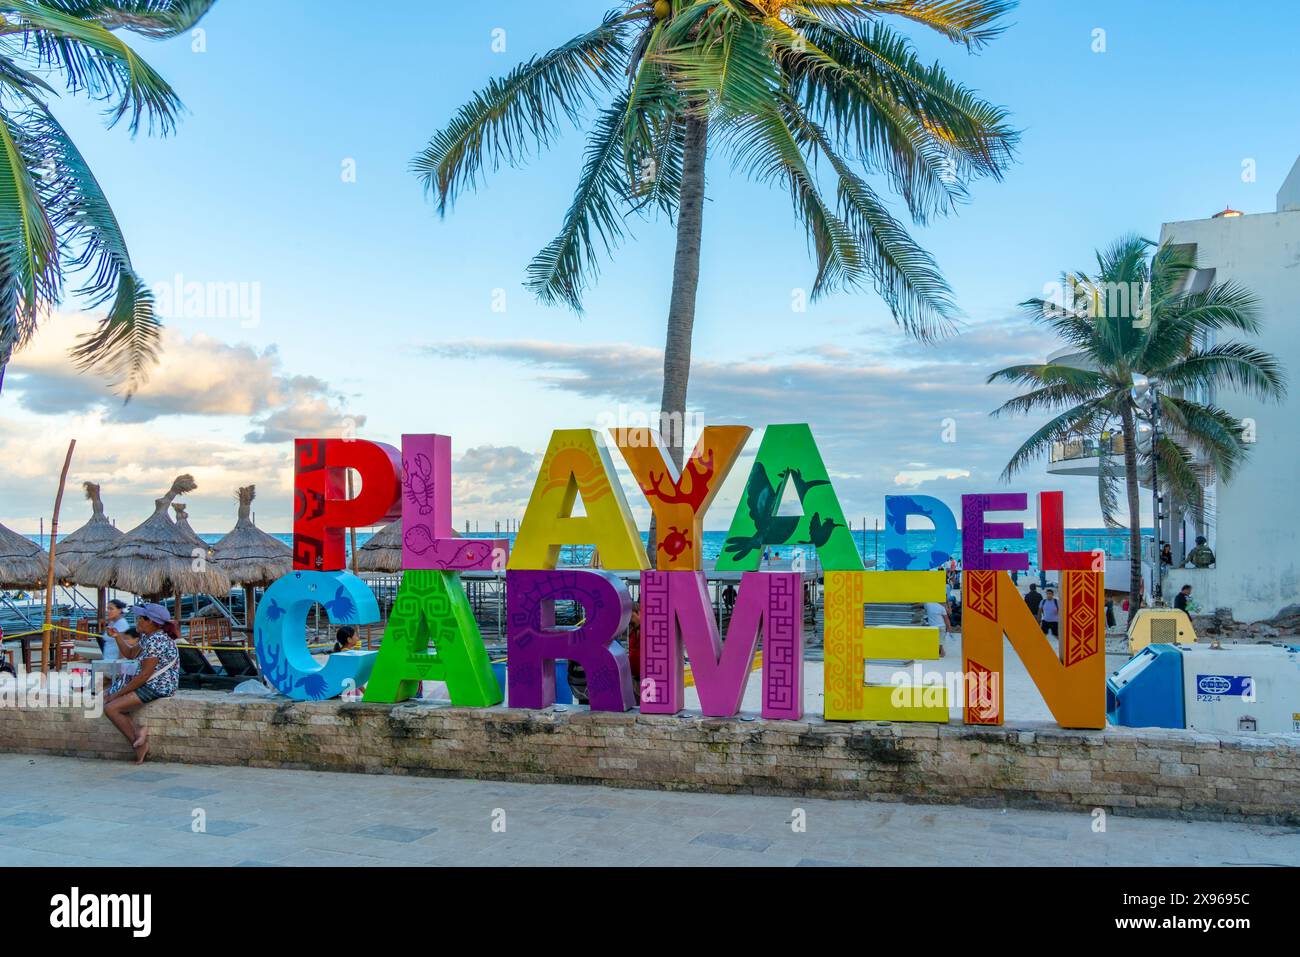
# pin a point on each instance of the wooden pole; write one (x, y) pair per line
(352, 532)
(49, 576)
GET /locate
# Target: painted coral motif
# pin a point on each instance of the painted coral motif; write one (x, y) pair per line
(693, 487)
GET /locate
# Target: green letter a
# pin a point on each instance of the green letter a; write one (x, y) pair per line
(431, 606)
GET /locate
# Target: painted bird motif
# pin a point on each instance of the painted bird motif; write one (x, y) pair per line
(802, 485)
(769, 528)
(819, 530)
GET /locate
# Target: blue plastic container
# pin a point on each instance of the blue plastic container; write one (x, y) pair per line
(563, 693)
(1148, 691)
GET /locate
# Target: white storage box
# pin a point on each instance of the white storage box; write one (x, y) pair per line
(1242, 688)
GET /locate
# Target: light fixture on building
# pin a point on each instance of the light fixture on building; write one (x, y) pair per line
(1228, 213)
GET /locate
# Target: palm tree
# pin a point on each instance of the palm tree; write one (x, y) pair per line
(54, 217)
(1141, 316)
(782, 87)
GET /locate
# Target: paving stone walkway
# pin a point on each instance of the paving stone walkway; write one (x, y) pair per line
(69, 811)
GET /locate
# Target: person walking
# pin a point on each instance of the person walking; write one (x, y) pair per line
(1034, 599)
(156, 677)
(936, 616)
(1050, 614)
(1183, 597)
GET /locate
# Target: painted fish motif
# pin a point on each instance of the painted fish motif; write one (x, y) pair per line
(418, 539)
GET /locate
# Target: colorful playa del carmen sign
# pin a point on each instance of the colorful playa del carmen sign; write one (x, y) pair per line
(431, 632)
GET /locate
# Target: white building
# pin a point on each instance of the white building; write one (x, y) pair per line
(1253, 521)
(1254, 528)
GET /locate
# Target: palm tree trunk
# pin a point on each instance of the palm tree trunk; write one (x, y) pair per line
(681, 307)
(1134, 510)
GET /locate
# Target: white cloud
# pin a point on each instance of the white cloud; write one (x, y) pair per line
(196, 375)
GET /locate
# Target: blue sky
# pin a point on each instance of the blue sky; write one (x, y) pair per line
(372, 310)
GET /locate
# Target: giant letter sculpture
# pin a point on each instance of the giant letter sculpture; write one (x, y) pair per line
(431, 606)
(281, 627)
(680, 501)
(849, 642)
(534, 643)
(675, 610)
(577, 463)
(975, 531)
(322, 512)
(428, 541)
(1071, 681)
(1051, 539)
(788, 453)
(898, 558)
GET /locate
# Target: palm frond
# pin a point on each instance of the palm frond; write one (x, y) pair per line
(125, 342)
(97, 62)
(727, 67)
(522, 111)
(1180, 475)
(903, 273)
(971, 23)
(1084, 381)
(561, 271)
(156, 19)
(1039, 444)
(654, 138)
(30, 277)
(1235, 364)
(1108, 488)
(1212, 431)
(766, 149)
(930, 135)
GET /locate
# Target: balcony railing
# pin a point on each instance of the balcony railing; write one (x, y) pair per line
(1087, 446)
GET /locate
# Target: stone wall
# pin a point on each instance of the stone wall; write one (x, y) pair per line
(1173, 773)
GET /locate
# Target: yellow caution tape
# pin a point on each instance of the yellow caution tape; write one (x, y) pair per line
(758, 663)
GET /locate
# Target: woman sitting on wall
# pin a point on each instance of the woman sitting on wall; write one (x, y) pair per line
(156, 677)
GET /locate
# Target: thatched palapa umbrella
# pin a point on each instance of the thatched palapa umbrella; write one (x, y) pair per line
(92, 538)
(249, 555)
(183, 523)
(156, 558)
(203, 548)
(383, 553)
(24, 564)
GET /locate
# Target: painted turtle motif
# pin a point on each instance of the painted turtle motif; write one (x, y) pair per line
(675, 542)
